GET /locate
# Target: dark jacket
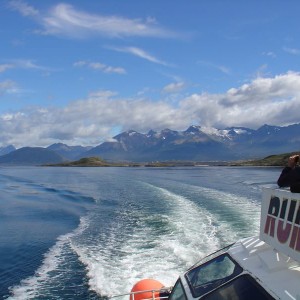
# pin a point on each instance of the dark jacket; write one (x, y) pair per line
(289, 177)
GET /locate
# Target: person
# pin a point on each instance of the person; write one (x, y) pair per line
(290, 175)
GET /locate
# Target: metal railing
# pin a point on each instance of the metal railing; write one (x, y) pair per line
(157, 294)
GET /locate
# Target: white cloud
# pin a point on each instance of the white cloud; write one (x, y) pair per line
(80, 63)
(22, 64)
(27, 64)
(84, 121)
(100, 66)
(270, 54)
(174, 87)
(221, 68)
(105, 94)
(5, 67)
(140, 53)
(8, 87)
(65, 20)
(265, 100)
(273, 100)
(23, 8)
(293, 51)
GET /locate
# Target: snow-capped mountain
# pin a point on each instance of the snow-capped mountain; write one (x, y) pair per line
(193, 144)
(200, 143)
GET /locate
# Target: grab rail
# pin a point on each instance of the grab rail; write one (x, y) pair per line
(162, 291)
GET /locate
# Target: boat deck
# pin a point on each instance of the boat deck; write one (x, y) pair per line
(273, 258)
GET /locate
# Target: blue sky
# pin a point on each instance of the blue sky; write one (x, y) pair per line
(79, 72)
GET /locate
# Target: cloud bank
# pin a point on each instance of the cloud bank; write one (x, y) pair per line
(90, 121)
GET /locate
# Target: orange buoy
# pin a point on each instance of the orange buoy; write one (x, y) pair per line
(147, 285)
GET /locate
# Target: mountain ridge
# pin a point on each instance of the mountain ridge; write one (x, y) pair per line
(200, 143)
(196, 143)
(31, 156)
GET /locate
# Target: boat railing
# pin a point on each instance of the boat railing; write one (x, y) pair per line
(156, 294)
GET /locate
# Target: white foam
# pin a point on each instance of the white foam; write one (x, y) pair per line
(29, 287)
(191, 236)
(193, 232)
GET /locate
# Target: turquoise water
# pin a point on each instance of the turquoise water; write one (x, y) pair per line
(88, 233)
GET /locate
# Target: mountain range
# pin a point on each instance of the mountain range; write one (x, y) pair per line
(7, 149)
(194, 144)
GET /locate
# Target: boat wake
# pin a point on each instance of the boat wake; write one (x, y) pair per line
(148, 231)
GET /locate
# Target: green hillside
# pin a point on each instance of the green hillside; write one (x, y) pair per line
(279, 160)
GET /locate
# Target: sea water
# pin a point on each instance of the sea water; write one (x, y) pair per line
(90, 233)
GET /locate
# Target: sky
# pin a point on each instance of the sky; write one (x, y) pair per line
(80, 72)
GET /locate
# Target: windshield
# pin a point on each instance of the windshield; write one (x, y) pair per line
(210, 256)
(212, 274)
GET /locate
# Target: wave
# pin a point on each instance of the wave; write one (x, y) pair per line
(137, 229)
(52, 272)
(27, 186)
(165, 242)
(239, 213)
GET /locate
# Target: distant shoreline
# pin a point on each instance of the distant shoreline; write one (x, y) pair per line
(276, 161)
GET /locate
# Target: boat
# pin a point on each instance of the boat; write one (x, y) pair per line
(260, 267)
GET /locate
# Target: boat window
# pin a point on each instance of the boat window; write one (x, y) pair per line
(178, 292)
(241, 288)
(212, 274)
(210, 256)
